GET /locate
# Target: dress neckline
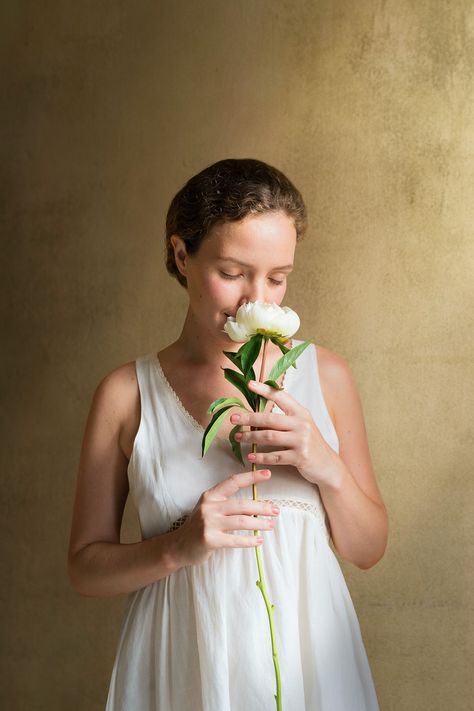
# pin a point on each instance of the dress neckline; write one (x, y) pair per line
(185, 412)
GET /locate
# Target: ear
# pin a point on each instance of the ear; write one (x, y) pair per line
(180, 254)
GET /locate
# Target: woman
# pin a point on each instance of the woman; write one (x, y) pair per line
(195, 629)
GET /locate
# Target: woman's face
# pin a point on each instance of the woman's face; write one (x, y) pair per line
(238, 262)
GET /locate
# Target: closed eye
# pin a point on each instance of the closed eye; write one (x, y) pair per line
(230, 276)
(236, 276)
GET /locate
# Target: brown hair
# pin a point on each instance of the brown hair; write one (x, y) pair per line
(228, 191)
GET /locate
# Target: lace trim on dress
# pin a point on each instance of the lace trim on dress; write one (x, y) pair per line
(186, 413)
(291, 503)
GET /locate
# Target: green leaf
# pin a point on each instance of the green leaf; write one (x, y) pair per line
(235, 444)
(213, 428)
(249, 353)
(280, 345)
(263, 400)
(218, 404)
(236, 359)
(240, 382)
(288, 359)
(273, 384)
(242, 347)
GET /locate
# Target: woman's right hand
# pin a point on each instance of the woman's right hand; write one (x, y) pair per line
(218, 513)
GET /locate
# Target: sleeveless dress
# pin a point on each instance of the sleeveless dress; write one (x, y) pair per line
(199, 638)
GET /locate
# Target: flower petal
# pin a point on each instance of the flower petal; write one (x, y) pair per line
(292, 321)
(235, 330)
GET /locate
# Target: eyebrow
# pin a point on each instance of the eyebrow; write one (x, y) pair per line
(243, 264)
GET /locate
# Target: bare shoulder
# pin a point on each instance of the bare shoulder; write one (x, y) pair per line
(345, 407)
(102, 483)
(118, 387)
(118, 397)
(121, 378)
(330, 362)
(336, 378)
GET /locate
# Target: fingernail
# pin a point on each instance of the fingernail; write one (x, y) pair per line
(252, 382)
(275, 509)
(251, 456)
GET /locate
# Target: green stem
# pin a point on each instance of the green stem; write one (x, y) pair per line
(260, 582)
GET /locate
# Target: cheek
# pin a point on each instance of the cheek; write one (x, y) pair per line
(219, 290)
(206, 288)
(280, 293)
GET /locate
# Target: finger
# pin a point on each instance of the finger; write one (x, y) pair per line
(238, 505)
(264, 420)
(236, 540)
(285, 457)
(232, 484)
(247, 523)
(269, 437)
(284, 400)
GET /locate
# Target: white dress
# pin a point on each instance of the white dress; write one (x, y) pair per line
(199, 639)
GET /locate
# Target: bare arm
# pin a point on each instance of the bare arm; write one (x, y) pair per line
(346, 481)
(356, 511)
(98, 564)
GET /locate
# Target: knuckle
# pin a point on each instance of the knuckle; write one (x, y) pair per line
(207, 536)
(246, 540)
(305, 453)
(206, 496)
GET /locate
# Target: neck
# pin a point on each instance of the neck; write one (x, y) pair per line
(199, 347)
(203, 347)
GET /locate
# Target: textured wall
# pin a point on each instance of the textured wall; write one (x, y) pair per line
(369, 108)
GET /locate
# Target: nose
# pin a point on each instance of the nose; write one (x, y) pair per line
(254, 291)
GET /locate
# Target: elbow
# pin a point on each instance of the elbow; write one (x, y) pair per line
(364, 563)
(377, 554)
(370, 562)
(367, 564)
(77, 579)
(370, 557)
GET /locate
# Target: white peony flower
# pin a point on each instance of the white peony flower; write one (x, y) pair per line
(259, 317)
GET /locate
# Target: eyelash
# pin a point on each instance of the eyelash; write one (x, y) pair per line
(236, 276)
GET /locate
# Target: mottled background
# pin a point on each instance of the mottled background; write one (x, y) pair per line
(108, 107)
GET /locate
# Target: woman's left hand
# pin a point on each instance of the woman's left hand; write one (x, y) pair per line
(295, 437)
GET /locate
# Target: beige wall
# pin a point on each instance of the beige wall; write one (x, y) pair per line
(369, 108)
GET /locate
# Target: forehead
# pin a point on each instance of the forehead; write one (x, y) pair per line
(272, 235)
